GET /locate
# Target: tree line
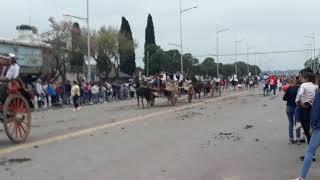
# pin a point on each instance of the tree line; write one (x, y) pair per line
(114, 48)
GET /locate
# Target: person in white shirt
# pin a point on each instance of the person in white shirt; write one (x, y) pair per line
(304, 100)
(8, 74)
(95, 91)
(13, 70)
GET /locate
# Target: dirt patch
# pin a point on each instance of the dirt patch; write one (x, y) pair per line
(12, 161)
(231, 136)
(188, 115)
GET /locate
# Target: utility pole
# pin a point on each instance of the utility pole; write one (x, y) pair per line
(218, 32)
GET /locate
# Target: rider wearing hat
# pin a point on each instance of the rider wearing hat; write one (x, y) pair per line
(8, 73)
(13, 71)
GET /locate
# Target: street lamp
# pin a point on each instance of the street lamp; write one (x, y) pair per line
(181, 42)
(314, 50)
(248, 48)
(235, 54)
(88, 37)
(218, 32)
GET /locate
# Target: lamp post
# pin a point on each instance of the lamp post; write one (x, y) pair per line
(248, 48)
(181, 41)
(314, 50)
(218, 32)
(236, 42)
(88, 37)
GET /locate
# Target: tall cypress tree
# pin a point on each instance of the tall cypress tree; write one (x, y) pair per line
(77, 56)
(150, 41)
(126, 48)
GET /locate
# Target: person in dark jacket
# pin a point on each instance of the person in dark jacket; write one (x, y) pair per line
(290, 97)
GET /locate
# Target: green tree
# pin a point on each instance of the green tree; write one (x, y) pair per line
(126, 48)
(105, 50)
(227, 70)
(58, 36)
(311, 62)
(149, 39)
(77, 49)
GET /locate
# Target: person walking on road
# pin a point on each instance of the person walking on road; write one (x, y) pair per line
(315, 138)
(273, 84)
(75, 92)
(290, 97)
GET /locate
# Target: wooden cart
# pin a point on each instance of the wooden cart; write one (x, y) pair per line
(15, 110)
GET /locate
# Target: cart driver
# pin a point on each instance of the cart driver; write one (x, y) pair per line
(8, 73)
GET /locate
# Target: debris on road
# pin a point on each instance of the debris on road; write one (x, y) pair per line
(6, 162)
(188, 115)
(264, 105)
(36, 146)
(248, 127)
(227, 136)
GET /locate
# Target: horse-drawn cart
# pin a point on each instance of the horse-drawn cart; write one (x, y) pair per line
(170, 91)
(15, 107)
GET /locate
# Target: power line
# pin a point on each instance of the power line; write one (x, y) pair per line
(252, 53)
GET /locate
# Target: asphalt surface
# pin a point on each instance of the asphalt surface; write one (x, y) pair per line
(240, 136)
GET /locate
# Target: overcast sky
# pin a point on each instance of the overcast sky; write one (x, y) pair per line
(267, 25)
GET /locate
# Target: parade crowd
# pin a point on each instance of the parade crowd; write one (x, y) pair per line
(57, 94)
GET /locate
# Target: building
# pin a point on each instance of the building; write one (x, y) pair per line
(33, 55)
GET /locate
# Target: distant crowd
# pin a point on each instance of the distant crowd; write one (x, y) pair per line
(56, 94)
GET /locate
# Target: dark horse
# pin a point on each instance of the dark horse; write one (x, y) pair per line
(144, 92)
(207, 88)
(197, 86)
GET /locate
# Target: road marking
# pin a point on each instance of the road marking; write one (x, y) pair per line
(107, 126)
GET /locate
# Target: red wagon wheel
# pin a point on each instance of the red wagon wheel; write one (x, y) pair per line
(17, 118)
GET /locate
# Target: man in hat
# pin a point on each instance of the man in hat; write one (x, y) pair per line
(13, 71)
(8, 73)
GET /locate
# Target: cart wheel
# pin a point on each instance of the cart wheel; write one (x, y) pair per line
(17, 118)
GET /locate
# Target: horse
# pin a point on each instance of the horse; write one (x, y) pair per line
(144, 92)
(197, 86)
(207, 88)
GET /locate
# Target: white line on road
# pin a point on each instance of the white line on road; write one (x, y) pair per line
(106, 126)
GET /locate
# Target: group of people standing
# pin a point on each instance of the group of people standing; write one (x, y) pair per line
(272, 83)
(303, 111)
(57, 93)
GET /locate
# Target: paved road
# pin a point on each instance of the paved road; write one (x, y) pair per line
(206, 140)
